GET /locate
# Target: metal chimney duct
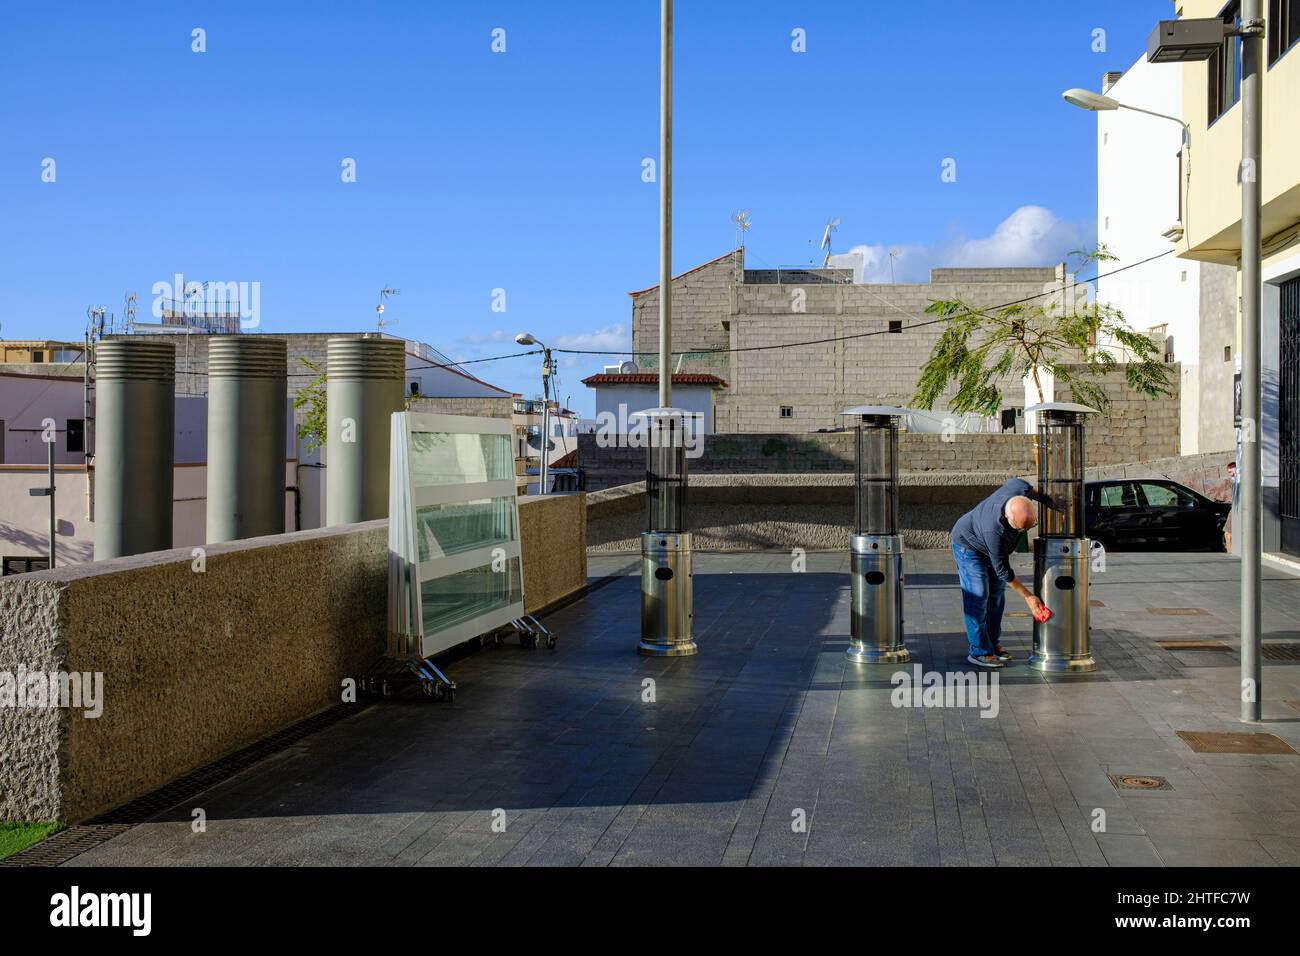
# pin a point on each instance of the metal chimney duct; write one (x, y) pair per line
(135, 412)
(364, 386)
(247, 409)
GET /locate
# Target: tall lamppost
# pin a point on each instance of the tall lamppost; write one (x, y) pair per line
(548, 370)
(1192, 40)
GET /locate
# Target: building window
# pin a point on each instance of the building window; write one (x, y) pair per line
(1225, 66)
(896, 325)
(77, 434)
(787, 411)
(1227, 353)
(1283, 27)
(414, 388)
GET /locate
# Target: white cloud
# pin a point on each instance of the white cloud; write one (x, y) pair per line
(1030, 236)
(612, 338)
(500, 335)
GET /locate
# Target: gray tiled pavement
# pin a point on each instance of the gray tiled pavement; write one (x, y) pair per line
(769, 724)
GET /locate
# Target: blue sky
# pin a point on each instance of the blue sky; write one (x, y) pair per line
(521, 170)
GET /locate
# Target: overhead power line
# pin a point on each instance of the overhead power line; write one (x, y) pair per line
(758, 348)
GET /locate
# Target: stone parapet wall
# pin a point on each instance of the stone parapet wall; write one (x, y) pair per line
(197, 664)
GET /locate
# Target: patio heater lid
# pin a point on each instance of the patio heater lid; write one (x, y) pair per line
(662, 414)
(1063, 407)
(890, 410)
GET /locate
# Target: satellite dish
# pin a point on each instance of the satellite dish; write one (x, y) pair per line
(826, 236)
(628, 368)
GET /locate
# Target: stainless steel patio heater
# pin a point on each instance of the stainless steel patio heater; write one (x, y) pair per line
(666, 601)
(876, 547)
(1061, 550)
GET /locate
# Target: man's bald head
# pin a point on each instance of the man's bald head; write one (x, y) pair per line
(1021, 513)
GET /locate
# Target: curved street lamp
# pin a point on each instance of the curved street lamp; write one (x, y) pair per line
(548, 369)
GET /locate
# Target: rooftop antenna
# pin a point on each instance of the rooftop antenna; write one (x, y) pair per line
(831, 226)
(893, 254)
(742, 222)
(384, 293)
(128, 311)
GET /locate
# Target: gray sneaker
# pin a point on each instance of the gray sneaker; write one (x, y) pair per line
(985, 660)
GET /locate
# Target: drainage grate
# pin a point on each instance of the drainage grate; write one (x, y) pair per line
(1208, 742)
(1177, 611)
(66, 844)
(1273, 651)
(1194, 645)
(1139, 781)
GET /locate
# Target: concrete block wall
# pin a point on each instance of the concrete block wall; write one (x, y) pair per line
(1143, 431)
(714, 308)
(702, 299)
(477, 406)
(1206, 473)
(780, 512)
(196, 665)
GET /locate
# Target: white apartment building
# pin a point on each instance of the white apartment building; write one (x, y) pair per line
(1187, 307)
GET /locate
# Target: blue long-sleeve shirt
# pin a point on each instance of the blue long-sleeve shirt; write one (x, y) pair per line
(984, 528)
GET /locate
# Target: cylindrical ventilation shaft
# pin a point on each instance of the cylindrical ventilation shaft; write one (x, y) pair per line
(247, 411)
(135, 384)
(364, 387)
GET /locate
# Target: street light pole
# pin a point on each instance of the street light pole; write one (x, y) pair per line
(544, 471)
(548, 371)
(1252, 94)
(666, 204)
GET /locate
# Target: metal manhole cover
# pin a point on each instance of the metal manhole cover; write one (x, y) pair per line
(1177, 611)
(1139, 781)
(1273, 651)
(1194, 645)
(1208, 742)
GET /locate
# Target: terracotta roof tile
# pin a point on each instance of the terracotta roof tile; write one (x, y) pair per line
(652, 378)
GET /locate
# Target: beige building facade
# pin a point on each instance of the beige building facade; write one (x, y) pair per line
(1212, 228)
(742, 325)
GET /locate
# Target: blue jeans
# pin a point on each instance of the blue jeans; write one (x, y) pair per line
(983, 596)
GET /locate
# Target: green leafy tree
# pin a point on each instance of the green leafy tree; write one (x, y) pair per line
(312, 398)
(979, 348)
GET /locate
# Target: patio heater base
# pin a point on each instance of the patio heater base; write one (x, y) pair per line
(860, 654)
(876, 613)
(1061, 665)
(1061, 644)
(667, 606)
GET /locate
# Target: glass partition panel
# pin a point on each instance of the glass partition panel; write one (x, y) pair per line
(447, 529)
(448, 458)
(459, 597)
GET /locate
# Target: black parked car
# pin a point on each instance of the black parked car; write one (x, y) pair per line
(1153, 514)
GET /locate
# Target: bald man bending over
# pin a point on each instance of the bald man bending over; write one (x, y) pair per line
(982, 541)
